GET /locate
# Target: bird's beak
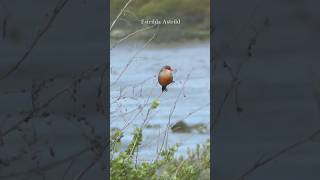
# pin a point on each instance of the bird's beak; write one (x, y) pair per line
(173, 70)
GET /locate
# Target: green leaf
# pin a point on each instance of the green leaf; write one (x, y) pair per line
(155, 104)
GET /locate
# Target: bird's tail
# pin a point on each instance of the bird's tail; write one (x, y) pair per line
(164, 88)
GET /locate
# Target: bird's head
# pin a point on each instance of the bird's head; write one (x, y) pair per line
(168, 68)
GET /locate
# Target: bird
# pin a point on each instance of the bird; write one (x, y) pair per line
(165, 77)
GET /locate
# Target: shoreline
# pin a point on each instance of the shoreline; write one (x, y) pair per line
(161, 45)
(165, 35)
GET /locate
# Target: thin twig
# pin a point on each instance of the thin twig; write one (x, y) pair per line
(47, 166)
(33, 112)
(133, 57)
(91, 165)
(234, 74)
(120, 13)
(194, 111)
(58, 8)
(165, 138)
(261, 162)
(131, 35)
(220, 108)
(67, 169)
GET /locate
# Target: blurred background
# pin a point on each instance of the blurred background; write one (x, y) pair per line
(53, 141)
(194, 15)
(272, 48)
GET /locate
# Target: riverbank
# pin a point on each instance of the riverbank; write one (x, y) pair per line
(164, 35)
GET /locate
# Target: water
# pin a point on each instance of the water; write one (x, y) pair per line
(139, 83)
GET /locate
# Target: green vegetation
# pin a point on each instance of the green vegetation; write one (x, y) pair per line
(123, 166)
(196, 166)
(194, 15)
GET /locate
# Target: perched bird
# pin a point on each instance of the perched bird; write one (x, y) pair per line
(165, 77)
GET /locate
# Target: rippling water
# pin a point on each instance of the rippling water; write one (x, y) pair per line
(139, 84)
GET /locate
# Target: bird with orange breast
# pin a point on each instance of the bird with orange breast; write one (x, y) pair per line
(165, 77)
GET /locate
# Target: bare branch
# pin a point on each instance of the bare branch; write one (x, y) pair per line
(54, 164)
(93, 163)
(165, 138)
(131, 60)
(59, 6)
(33, 112)
(120, 13)
(261, 162)
(131, 35)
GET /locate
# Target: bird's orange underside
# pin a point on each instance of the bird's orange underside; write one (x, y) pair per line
(165, 80)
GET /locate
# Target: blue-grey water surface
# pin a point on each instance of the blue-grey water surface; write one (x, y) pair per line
(139, 82)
